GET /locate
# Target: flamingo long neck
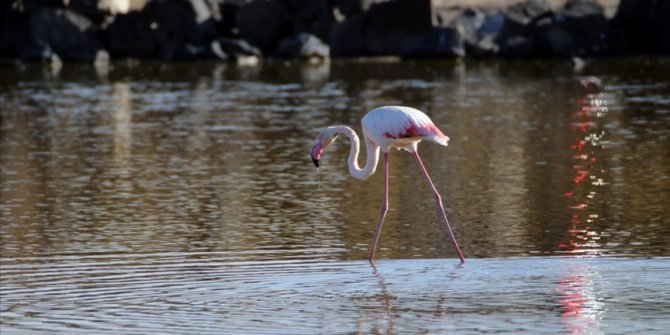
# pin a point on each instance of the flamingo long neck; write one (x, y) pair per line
(372, 155)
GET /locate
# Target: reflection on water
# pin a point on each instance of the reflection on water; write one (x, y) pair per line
(163, 194)
(206, 157)
(587, 151)
(582, 308)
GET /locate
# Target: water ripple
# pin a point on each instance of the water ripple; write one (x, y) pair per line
(222, 293)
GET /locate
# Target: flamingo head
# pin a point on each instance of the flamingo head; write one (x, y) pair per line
(325, 138)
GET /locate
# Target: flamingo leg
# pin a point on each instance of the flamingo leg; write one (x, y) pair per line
(384, 209)
(438, 202)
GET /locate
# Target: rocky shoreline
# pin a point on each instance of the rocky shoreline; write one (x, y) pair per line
(100, 31)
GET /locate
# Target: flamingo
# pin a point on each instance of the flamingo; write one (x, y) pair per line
(384, 128)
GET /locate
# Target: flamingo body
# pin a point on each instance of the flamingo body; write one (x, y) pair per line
(400, 127)
(385, 128)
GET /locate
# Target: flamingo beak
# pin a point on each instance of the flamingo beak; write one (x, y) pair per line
(317, 150)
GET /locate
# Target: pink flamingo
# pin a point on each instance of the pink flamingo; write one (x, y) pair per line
(388, 127)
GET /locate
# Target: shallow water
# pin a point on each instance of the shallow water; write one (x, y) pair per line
(221, 293)
(182, 198)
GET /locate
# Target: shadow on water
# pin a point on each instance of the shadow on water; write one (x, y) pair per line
(181, 198)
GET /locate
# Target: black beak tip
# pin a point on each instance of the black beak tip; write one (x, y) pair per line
(316, 162)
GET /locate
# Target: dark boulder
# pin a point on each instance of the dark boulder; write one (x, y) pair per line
(63, 32)
(14, 31)
(642, 26)
(439, 42)
(207, 20)
(554, 41)
(173, 23)
(263, 23)
(519, 17)
(31, 5)
(580, 29)
(516, 37)
(165, 29)
(311, 16)
(518, 46)
(350, 8)
(532, 29)
(227, 26)
(347, 38)
(303, 46)
(392, 24)
(386, 28)
(131, 36)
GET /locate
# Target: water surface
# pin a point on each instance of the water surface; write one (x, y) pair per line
(183, 197)
(218, 293)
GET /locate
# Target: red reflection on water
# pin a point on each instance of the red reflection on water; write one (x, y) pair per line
(588, 130)
(579, 306)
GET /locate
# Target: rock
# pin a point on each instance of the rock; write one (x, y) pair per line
(349, 8)
(440, 42)
(55, 63)
(13, 31)
(165, 29)
(579, 28)
(519, 17)
(206, 9)
(307, 9)
(263, 23)
(585, 22)
(78, 30)
(578, 64)
(478, 31)
(392, 24)
(518, 47)
(557, 42)
(487, 34)
(642, 26)
(102, 59)
(347, 38)
(88, 8)
(207, 17)
(468, 23)
(118, 6)
(304, 46)
(131, 36)
(63, 32)
(237, 47)
(237, 50)
(173, 23)
(97, 10)
(311, 16)
(581, 8)
(227, 26)
(517, 37)
(31, 5)
(386, 28)
(101, 63)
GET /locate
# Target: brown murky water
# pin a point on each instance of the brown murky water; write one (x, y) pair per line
(182, 197)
